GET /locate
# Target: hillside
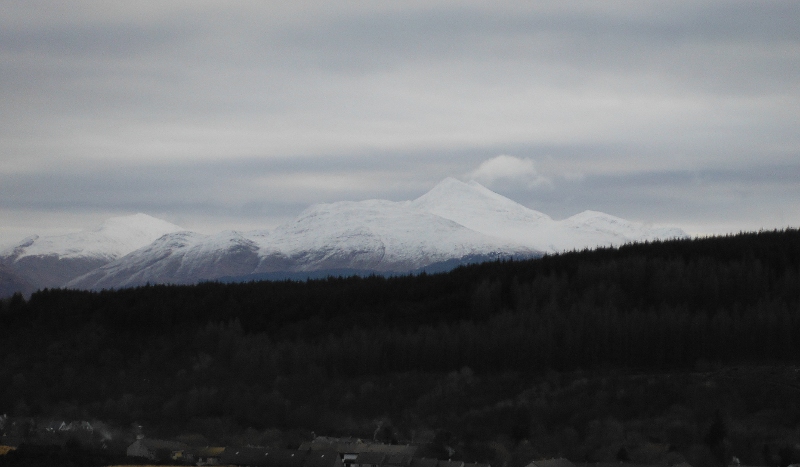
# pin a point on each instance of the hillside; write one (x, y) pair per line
(51, 261)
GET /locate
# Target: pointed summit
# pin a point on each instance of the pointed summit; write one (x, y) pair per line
(481, 209)
(451, 190)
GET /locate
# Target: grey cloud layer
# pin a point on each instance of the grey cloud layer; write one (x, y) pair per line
(261, 108)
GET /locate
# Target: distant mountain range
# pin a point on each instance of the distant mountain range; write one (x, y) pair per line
(454, 223)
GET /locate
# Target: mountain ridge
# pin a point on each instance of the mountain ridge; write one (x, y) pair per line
(51, 261)
(448, 225)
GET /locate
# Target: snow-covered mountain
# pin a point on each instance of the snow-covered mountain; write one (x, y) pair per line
(452, 222)
(54, 260)
(480, 209)
(176, 258)
(376, 235)
(372, 235)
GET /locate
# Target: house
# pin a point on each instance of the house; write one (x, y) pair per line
(156, 449)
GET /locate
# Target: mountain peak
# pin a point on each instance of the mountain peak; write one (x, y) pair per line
(448, 182)
(475, 206)
(452, 221)
(454, 186)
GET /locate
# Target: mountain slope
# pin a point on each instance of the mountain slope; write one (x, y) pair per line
(454, 222)
(11, 282)
(480, 209)
(374, 235)
(176, 258)
(54, 260)
(617, 231)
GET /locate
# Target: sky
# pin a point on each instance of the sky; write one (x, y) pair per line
(239, 115)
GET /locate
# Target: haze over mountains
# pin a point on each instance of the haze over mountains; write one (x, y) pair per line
(453, 223)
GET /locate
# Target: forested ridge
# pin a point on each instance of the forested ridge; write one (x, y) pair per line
(420, 351)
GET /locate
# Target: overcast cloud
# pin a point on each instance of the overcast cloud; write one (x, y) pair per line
(218, 115)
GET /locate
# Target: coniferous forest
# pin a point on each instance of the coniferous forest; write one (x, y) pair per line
(684, 348)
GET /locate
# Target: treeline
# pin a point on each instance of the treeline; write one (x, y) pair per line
(289, 354)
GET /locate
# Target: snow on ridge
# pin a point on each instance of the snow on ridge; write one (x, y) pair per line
(453, 220)
(380, 234)
(139, 265)
(454, 199)
(374, 235)
(480, 209)
(111, 239)
(182, 257)
(603, 223)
